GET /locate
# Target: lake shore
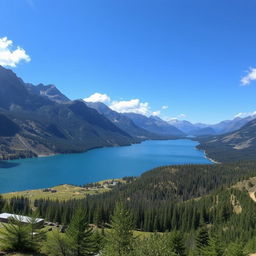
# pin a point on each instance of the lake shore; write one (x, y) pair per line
(210, 159)
(97, 164)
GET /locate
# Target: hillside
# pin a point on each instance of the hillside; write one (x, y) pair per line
(41, 121)
(235, 146)
(173, 197)
(123, 122)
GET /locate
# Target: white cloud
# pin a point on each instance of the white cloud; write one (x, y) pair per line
(176, 118)
(251, 76)
(124, 106)
(10, 56)
(133, 105)
(98, 97)
(156, 113)
(245, 114)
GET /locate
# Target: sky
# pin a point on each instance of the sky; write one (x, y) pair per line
(193, 60)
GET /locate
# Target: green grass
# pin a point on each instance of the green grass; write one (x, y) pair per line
(64, 192)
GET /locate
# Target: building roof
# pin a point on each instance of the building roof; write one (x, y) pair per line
(24, 219)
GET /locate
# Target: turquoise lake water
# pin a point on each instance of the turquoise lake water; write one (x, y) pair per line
(96, 164)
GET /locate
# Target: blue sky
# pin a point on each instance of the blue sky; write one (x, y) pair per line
(187, 55)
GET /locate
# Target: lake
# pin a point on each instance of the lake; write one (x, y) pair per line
(96, 164)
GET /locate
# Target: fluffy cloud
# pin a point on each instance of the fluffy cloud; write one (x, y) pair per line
(156, 113)
(245, 114)
(10, 56)
(251, 76)
(125, 106)
(98, 97)
(133, 105)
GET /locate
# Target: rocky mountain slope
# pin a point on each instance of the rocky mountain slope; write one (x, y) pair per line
(34, 125)
(49, 91)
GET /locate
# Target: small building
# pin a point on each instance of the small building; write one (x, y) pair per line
(5, 217)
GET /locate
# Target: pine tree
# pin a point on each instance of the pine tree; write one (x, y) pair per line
(80, 235)
(56, 244)
(119, 240)
(235, 249)
(202, 238)
(16, 237)
(177, 244)
(214, 248)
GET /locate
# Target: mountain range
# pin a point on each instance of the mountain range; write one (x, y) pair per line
(41, 121)
(123, 122)
(200, 129)
(38, 120)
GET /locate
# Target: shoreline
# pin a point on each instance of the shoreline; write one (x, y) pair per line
(212, 160)
(47, 155)
(86, 150)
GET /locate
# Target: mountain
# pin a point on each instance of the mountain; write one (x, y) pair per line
(192, 129)
(207, 131)
(234, 146)
(121, 121)
(183, 125)
(200, 129)
(155, 125)
(48, 91)
(232, 125)
(35, 123)
(14, 95)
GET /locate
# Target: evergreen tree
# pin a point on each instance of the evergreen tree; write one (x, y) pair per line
(250, 246)
(202, 239)
(80, 235)
(214, 248)
(56, 244)
(235, 249)
(177, 243)
(16, 237)
(119, 240)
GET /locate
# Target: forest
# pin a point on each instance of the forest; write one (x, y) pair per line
(169, 200)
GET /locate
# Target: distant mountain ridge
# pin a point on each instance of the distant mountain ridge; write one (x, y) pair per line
(199, 129)
(121, 121)
(155, 125)
(235, 146)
